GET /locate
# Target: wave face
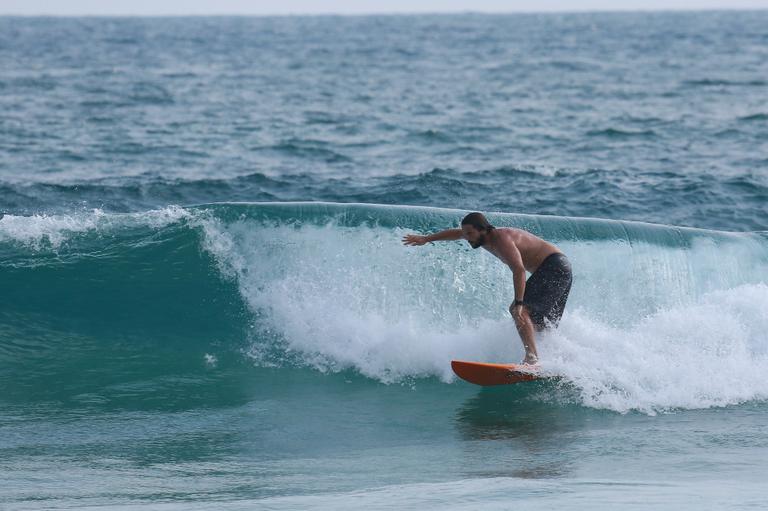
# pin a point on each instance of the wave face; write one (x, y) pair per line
(659, 317)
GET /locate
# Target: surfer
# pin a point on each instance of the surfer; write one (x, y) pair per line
(539, 301)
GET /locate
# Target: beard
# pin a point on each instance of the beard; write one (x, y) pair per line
(479, 243)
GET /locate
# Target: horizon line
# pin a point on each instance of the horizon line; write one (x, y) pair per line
(385, 13)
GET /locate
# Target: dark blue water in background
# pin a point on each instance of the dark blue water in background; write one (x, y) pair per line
(654, 117)
(281, 349)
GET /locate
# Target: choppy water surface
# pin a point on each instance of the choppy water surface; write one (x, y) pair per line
(198, 311)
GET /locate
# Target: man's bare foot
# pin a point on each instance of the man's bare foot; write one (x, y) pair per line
(526, 367)
(530, 360)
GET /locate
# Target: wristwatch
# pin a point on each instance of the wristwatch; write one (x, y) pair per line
(518, 302)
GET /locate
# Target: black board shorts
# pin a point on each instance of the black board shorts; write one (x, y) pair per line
(546, 291)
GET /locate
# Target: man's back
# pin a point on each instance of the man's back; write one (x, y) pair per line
(533, 249)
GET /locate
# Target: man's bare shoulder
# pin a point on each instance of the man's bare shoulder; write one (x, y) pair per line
(522, 239)
(519, 235)
(510, 233)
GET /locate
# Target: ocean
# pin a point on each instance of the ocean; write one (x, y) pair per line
(207, 305)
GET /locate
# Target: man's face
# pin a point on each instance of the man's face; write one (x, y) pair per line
(475, 238)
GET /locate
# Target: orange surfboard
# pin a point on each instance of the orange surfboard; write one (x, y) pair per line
(480, 373)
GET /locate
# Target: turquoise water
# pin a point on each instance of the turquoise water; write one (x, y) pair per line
(206, 303)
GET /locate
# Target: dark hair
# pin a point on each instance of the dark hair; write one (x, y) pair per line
(478, 221)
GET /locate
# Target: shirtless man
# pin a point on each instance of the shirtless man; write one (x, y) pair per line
(539, 301)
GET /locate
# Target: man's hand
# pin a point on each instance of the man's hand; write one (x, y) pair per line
(413, 240)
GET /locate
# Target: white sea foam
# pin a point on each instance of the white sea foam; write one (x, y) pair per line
(713, 352)
(37, 231)
(647, 327)
(52, 231)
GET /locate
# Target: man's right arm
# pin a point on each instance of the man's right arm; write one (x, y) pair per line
(446, 235)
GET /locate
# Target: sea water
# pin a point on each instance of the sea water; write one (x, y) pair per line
(206, 302)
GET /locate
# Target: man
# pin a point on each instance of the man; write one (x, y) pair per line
(539, 301)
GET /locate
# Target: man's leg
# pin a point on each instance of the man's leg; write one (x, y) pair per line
(526, 330)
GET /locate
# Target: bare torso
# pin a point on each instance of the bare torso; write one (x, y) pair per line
(533, 249)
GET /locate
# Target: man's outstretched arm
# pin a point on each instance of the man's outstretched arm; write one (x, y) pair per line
(446, 235)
